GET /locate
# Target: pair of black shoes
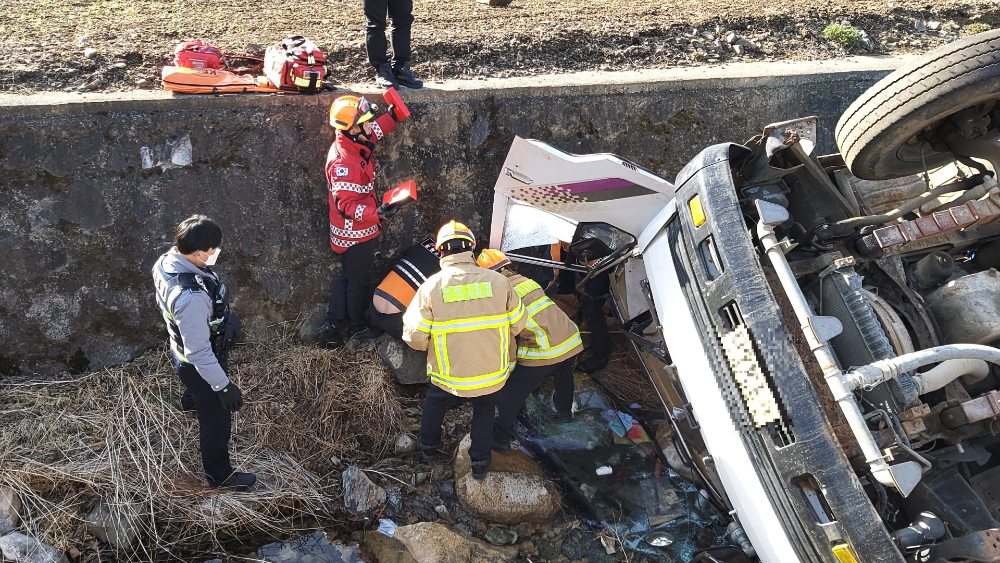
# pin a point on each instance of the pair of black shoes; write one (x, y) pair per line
(479, 468)
(388, 77)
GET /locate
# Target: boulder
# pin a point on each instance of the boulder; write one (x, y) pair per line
(408, 365)
(361, 495)
(514, 491)
(114, 524)
(314, 548)
(19, 548)
(406, 444)
(10, 509)
(427, 542)
(386, 549)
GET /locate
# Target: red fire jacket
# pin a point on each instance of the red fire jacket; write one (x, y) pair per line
(350, 175)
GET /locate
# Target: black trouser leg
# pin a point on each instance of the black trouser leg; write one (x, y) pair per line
(562, 381)
(375, 13)
(522, 381)
(349, 293)
(390, 324)
(592, 305)
(214, 423)
(435, 404)
(401, 12)
(483, 410)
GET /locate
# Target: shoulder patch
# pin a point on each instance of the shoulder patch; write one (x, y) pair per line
(341, 171)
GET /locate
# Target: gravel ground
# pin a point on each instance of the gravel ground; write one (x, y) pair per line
(114, 45)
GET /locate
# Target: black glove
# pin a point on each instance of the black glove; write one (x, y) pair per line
(231, 397)
(392, 112)
(386, 210)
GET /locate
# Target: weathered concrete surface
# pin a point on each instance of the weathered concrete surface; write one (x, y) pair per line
(91, 186)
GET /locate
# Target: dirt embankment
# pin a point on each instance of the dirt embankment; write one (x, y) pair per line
(48, 45)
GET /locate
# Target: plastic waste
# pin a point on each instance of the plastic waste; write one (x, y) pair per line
(608, 467)
(387, 526)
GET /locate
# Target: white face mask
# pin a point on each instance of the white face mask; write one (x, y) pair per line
(213, 258)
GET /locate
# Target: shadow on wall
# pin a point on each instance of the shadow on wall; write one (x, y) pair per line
(91, 192)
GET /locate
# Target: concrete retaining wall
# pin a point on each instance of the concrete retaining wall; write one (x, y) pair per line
(91, 186)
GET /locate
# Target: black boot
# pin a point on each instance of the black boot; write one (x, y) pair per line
(238, 481)
(480, 468)
(429, 453)
(384, 77)
(406, 78)
(591, 363)
(329, 337)
(367, 333)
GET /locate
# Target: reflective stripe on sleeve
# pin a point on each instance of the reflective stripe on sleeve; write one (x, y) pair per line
(516, 314)
(526, 287)
(525, 353)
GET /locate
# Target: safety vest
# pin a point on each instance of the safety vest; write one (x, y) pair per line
(466, 318)
(170, 286)
(549, 336)
(397, 289)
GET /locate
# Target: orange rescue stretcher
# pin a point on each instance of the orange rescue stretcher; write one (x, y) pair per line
(214, 81)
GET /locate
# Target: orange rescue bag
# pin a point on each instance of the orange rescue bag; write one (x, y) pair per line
(213, 81)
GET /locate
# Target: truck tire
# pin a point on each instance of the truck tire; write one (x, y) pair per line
(890, 130)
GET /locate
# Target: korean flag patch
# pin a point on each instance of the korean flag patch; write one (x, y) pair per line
(341, 171)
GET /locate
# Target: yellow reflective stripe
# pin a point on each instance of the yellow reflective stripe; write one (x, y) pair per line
(467, 292)
(525, 353)
(538, 305)
(505, 347)
(441, 352)
(516, 314)
(423, 325)
(469, 383)
(526, 287)
(540, 337)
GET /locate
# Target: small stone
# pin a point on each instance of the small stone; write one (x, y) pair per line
(919, 25)
(605, 67)
(133, 35)
(90, 52)
(442, 511)
(719, 29)
(698, 45)
(20, 548)
(419, 477)
(114, 524)
(500, 536)
(361, 495)
(933, 25)
(10, 509)
(405, 444)
(120, 65)
(141, 83)
(31, 49)
(731, 37)
(93, 84)
(83, 40)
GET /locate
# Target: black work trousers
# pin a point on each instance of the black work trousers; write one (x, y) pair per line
(436, 403)
(592, 306)
(391, 324)
(401, 13)
(349, 293)
(215, 423)
(521, 383)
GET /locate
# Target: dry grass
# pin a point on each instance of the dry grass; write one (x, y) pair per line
(626, 378)
(118, 435)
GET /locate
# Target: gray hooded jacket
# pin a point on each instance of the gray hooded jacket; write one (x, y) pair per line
(191, 312)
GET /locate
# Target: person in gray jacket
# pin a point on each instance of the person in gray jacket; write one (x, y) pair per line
(195, 307)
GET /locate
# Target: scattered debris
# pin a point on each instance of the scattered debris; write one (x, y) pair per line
(435, 543)
(315, 548)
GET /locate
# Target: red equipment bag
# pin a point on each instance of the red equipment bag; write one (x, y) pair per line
(198, 54)
(295, 65)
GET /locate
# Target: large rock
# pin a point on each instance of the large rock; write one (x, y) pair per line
(408, 365)
(115, 524)
(514, 491)
(435, 543)
(10, 509)
(386, 549)
(361, 495)
(20, 548)
(315, 548)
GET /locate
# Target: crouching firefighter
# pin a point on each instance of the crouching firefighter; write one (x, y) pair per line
(202, 329)
(398, 288)
(466, 317)
(548, 345)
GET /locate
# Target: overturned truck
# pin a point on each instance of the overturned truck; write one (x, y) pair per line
(821, 329)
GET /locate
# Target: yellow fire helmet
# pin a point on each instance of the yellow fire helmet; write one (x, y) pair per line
(348, 111)
(453, 230)
(492, 259)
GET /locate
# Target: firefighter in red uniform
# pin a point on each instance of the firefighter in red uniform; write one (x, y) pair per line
(355, 214)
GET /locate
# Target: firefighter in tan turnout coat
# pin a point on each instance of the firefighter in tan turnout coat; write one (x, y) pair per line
(466, 318)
